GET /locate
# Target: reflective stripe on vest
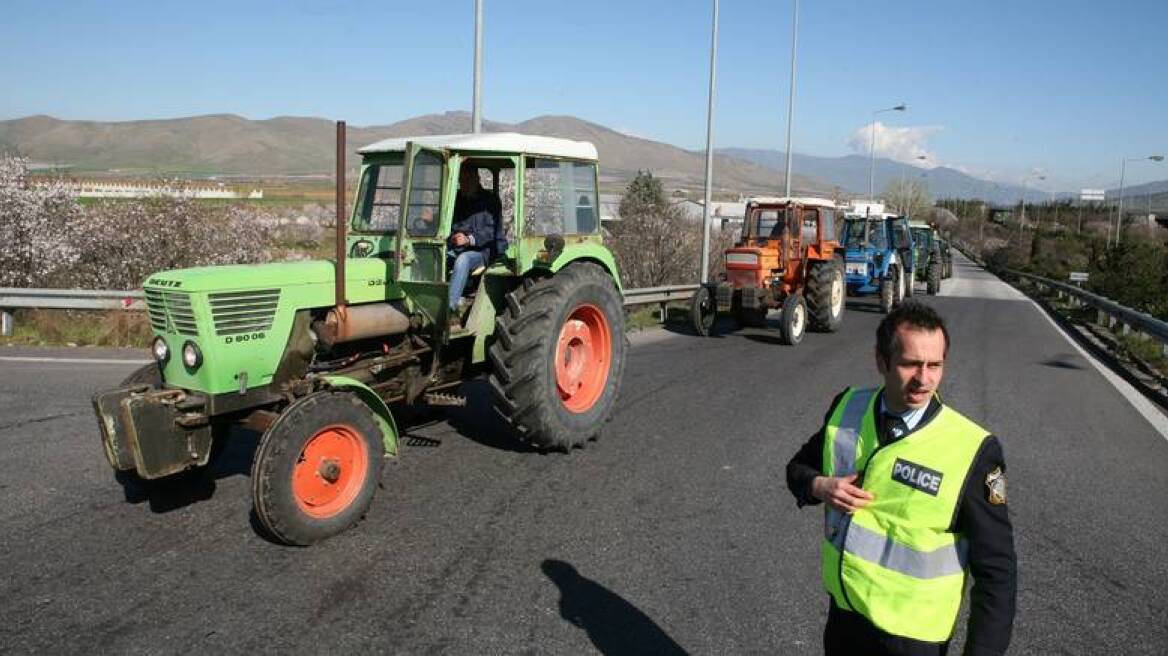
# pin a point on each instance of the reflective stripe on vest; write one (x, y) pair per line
(895, 560)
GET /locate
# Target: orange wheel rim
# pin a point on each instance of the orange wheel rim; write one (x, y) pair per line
(583, 358)
(330, 471)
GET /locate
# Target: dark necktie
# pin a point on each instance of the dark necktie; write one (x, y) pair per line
(894, 428)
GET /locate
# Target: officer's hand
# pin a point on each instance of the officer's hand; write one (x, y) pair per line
(840, 493)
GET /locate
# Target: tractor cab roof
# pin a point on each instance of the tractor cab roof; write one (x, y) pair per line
(490, 142)
(783, 200)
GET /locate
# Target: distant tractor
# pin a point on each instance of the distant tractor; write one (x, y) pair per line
(930, 260)
(787, 259)
(879, 257)
(313, 354)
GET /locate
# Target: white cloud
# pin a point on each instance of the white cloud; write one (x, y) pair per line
(904, 145)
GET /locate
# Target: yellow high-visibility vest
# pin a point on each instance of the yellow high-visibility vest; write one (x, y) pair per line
(895, 560)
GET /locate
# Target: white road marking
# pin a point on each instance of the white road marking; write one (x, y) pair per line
(14, 358)
(1146, 408)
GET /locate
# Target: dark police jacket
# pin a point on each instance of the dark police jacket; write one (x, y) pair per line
(985, 526)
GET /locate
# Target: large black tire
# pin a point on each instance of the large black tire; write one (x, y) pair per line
(317, 468)
(552, 402)
(824, 296)
(934, 274)
(887, 294)
(703, 310)
(793, 322)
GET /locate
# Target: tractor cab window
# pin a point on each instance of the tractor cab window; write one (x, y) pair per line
(923, 238)
(559, 197)
(857, 231)
(810, 225)
(425, 195)
(379, 201)
(827, 217)
(901, 235)
(496, 178)
(770, 223)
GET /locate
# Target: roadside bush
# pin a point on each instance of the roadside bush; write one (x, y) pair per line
(37, 227)
(124, 241)
(654, 243)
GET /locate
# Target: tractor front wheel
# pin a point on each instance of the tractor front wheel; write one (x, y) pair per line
(825, 296)
(888, 293)
(558, 356)
(317, 467)
(793, 322)
(934, 274)
(703, 310)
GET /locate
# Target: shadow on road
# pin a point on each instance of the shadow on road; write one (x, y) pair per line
(861, 306)
(1062, 361)
(481, 422)
(181, 490)
(613, 625)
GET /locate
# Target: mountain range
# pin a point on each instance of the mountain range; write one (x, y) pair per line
(226, 145)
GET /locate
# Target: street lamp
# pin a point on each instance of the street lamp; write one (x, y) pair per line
(1122, 171)
(872, 150)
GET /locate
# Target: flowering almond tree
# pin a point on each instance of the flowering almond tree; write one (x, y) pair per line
(37, 224)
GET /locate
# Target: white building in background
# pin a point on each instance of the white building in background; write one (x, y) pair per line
(94, 189)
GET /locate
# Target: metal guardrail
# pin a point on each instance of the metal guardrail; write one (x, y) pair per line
(1109, 312)
(12, 298)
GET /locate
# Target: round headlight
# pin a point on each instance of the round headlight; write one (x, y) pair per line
(191, 355)
(160, 349)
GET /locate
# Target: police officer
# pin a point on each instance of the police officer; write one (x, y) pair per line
(915, 499)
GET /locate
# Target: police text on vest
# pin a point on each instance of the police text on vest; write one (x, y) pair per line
(917, 477)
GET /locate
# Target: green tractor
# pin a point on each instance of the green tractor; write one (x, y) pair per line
(314, 354)
(931, 267)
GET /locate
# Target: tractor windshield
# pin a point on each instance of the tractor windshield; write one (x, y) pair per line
(923, 237)
(379, 201)
(854, 234)
(769, 223)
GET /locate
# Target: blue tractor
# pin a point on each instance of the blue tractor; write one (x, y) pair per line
(879, 258)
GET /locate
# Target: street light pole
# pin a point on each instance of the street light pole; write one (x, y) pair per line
(476, 119)
(872, 150)
(1022, 214)
(705, 273)
(1122, 171)
(791, 100)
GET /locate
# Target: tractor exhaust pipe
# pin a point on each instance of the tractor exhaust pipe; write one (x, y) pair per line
(340, 289)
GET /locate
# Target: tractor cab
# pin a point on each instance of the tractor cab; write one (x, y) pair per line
(879, 257)
(785, 259)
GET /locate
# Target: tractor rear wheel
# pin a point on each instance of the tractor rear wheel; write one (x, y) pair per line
(910, 279)
(703, 310)
(558, 356)
(317, 468)
(825, 296)
(793, 322)
(934, 274)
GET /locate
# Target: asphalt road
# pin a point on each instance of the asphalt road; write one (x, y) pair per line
(674, 532)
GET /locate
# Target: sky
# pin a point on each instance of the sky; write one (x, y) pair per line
(1005, 90)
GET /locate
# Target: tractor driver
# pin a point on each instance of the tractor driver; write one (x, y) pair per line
(474, 237)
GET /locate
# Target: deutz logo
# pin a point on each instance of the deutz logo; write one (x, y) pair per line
(917, 477)
(158, 282)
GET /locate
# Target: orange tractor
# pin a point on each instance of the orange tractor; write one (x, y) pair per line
(787, 259)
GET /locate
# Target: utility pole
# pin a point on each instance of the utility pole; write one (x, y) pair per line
(476, 118)
(705, 272)
(791, 100)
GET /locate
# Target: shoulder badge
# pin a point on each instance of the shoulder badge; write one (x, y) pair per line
(996, 484)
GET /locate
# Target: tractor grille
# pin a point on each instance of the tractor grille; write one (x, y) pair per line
(244, 312)
(170, 312)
